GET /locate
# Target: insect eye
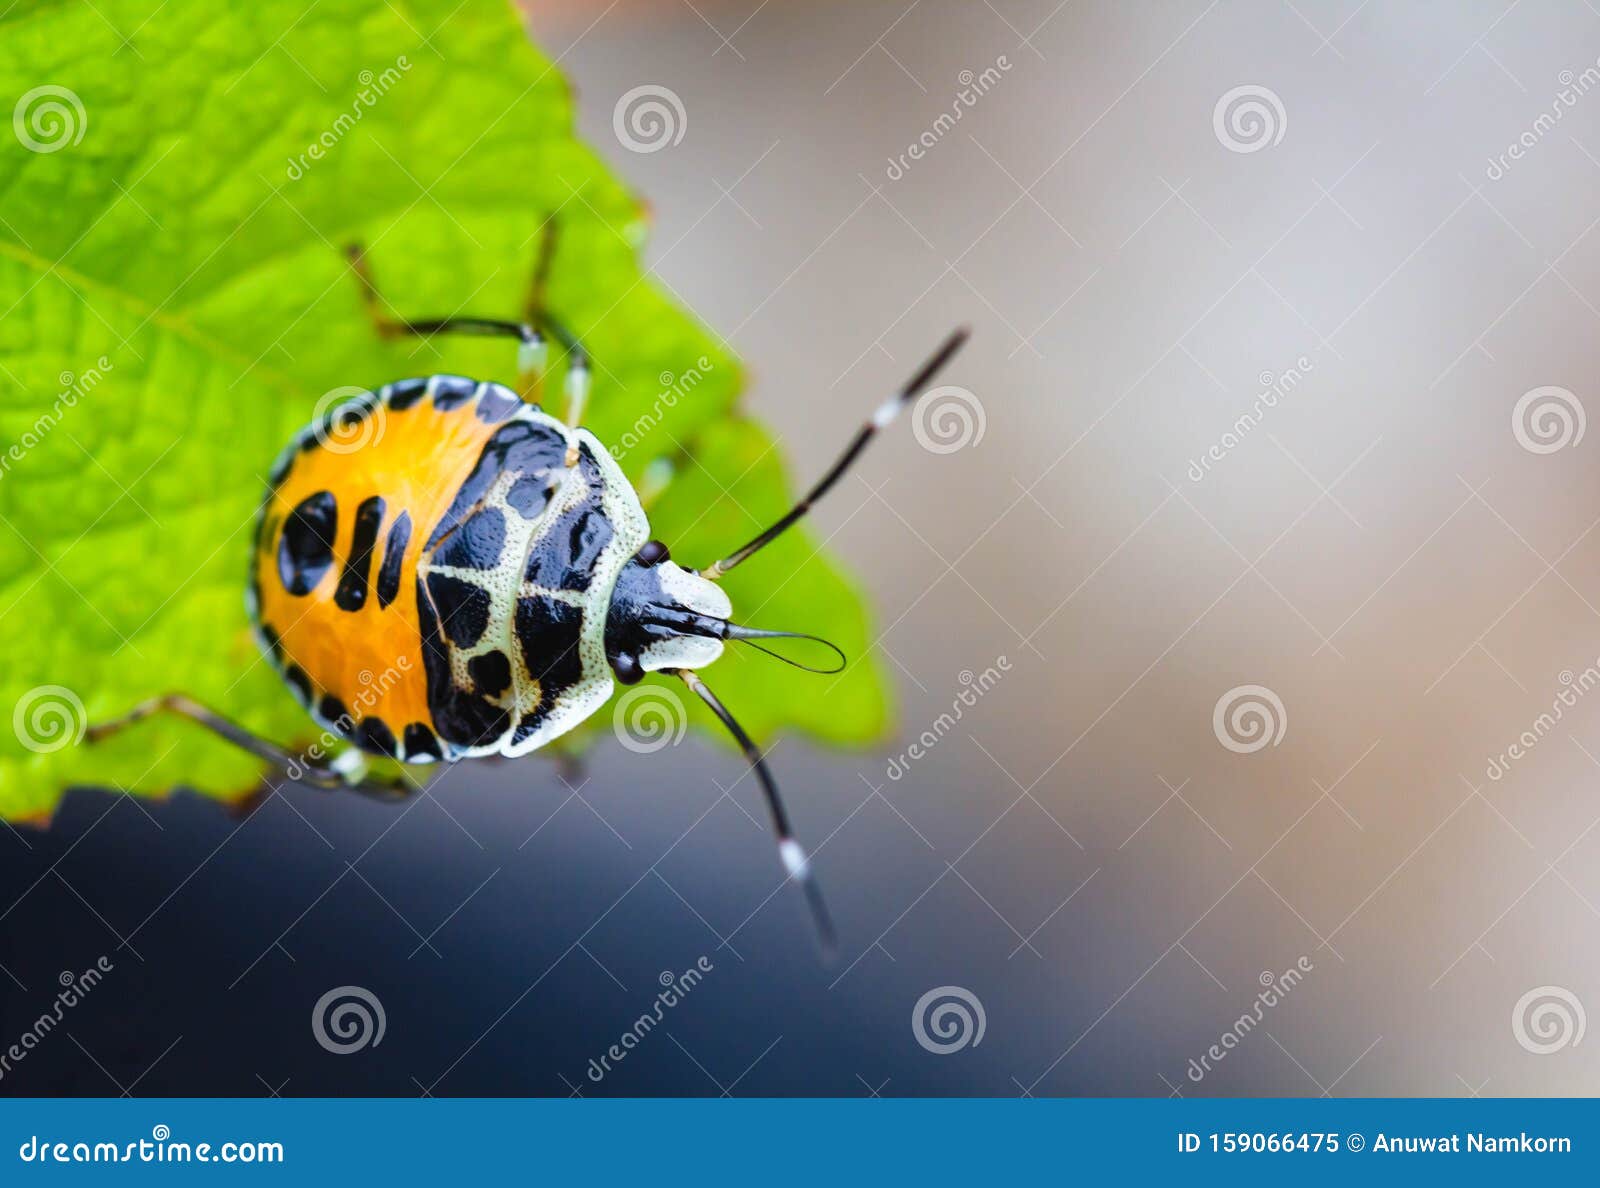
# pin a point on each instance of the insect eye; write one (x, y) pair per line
(627, 668)
(653, 552)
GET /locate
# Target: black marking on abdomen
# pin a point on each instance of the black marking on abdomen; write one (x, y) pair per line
(374, 735)
(490, 673)
(394, 552)
(565, 556)
(534, 450)
(496, 405)
(299, 682)
(352, 592)
(402, 395)
(333, 712)
(305, 550)
(421, 742)
(530, 493)
(463, 609)
(461, 718)
(477, 544)
(451, 391)
(550, 633)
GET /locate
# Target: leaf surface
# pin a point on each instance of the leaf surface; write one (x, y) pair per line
(174, 302)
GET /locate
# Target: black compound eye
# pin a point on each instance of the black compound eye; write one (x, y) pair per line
(653, 552)
(628, 669)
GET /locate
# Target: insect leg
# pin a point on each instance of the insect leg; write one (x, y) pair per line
(339, 773)
(887, 411)
(795, 859)
(536, 313)
(575, 387)
(531, 349)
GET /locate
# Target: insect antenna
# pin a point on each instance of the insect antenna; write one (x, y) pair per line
(749, 635)
(886, 413)
(795, 860)
(694, 623)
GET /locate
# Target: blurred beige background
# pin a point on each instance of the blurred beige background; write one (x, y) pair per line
(1379, 549)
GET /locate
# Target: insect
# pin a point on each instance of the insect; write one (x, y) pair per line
(492, 562)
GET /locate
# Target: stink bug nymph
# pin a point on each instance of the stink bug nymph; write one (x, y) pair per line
(490, 555)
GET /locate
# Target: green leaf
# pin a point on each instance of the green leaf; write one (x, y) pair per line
(173, 302)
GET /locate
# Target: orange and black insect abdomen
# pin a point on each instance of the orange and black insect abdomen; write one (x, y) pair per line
(432, 576)
(341, 532)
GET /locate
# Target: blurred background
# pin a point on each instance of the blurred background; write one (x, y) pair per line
(1240, 592)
